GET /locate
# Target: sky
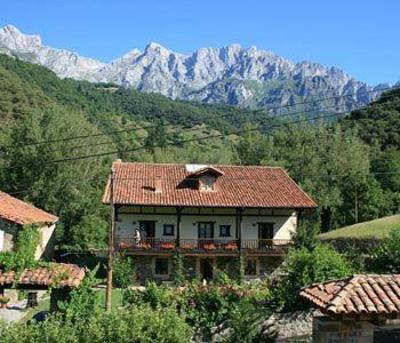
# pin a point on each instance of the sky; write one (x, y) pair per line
(360, 36)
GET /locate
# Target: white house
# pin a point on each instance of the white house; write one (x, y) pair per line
(14, 214)
(209, 214)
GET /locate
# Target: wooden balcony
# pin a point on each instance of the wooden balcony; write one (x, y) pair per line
(203, 246)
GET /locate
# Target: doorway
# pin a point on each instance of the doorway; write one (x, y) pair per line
(147, 230)
(206, 269)
(265, 235)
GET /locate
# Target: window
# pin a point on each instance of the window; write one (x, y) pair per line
(225, 231)
(161, 266)
(169, 230)
(206, 230)
(207, 183)
(265, 230)
(251, 267)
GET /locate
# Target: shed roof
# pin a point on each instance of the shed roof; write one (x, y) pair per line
(56, 275)
(22, 213)
(359, 294)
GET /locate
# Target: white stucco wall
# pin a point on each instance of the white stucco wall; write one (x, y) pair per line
(285, 221)
(45, 236)
(10, 231)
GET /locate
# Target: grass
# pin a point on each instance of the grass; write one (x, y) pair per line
(116, 296)
(378, 229)
(43, 305)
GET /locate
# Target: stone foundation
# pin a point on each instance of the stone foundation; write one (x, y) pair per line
(189, 266)
(228, 264)
(267, 264)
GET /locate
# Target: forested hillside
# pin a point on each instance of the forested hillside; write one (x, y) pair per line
(350, 167)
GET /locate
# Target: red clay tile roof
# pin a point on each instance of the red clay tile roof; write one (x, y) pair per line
(20, 212)
(359, 294)
(205, 170)
(56, 275)
(239, 186)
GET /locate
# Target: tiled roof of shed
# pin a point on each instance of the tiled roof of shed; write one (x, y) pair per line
(239, 186)
(56, 275)
(359, 294)
(20, 212)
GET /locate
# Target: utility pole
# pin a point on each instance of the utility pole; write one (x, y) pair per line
(110, 244)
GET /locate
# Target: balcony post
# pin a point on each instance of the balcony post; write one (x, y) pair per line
(178, 226)
(239, 227)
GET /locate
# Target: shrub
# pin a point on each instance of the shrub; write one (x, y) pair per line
(153, 295)
(178, 272)
(138, 324)
(306, 235)
(302, 267)
(23, 255)
(83, 301)
(124, 273)
(246, 324)
(386, 256)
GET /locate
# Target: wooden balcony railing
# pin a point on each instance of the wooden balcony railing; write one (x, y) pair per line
(129, 243)
(202, 244)
(206, 244)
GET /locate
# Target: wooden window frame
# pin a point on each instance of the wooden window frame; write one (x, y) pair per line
(225, 226)
(212, 230)
(172, 227)
(155, 267)
(257, 267)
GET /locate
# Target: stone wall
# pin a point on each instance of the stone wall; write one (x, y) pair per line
(227, 264)
(267, 264)
(189, 266)
(144, 268)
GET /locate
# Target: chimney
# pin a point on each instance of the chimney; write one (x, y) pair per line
(157, 184)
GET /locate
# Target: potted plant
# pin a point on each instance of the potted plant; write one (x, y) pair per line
(231, 246)
(167, 245)
(4, 301)
(209, 246)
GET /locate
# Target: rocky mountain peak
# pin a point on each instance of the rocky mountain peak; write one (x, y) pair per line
(232, 74)
(15, 39)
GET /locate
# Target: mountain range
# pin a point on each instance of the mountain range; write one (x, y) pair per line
(247, 77)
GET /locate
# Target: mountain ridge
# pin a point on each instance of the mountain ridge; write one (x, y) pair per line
(234, 75)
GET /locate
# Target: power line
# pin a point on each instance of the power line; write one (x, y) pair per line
(194, 129)
(181, 141)
(65, 139)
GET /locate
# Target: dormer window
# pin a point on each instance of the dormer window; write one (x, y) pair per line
(206, 183)
(205, 176)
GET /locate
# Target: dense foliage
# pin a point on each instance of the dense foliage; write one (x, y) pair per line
(25, 247)
(138, 324)
(386, 255)
(350, 168)
(205, 306)
(303, 267)
(124, 272)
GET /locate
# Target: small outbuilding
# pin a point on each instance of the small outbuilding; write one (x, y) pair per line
(358, 309)
(15, 214)
(59, 278)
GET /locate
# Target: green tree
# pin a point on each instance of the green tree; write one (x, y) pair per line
(303, 267)
(386, 256)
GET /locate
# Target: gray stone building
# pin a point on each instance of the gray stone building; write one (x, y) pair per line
(358, 309)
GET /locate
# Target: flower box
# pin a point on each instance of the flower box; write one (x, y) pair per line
(209, 246)
(231, 246)
(167, 246)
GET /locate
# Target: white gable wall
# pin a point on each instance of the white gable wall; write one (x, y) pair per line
(285, 222)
